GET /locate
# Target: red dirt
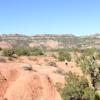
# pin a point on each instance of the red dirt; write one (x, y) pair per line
(18, 84)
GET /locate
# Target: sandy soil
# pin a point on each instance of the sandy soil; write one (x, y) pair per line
(39, 84)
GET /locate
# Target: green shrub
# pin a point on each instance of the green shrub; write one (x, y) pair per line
(8, 52)
(76, 50)
(84, 64)
(22, 51)
(98, 55)
(77, 88)
(36, 51)
(62, 55)
(89, 51)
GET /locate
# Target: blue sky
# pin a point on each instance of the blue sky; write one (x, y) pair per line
(78, 17)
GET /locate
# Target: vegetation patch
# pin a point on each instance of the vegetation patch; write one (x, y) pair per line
(76, 88)
(63, 55)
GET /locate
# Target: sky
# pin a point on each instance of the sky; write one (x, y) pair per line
(78, 17)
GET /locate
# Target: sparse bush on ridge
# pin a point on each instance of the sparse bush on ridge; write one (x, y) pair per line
(22, 51)
(88, 53)
(63, 55)
(36, 51)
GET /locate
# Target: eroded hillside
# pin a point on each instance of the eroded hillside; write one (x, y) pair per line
(58, 41)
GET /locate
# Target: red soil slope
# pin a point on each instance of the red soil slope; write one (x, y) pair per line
(18, 84)
(39, 84)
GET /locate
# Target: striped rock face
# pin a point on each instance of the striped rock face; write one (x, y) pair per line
(4, 44)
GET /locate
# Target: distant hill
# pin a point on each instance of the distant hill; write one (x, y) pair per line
(52, 40)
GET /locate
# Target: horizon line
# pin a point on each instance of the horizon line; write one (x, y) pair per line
(71, 34)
